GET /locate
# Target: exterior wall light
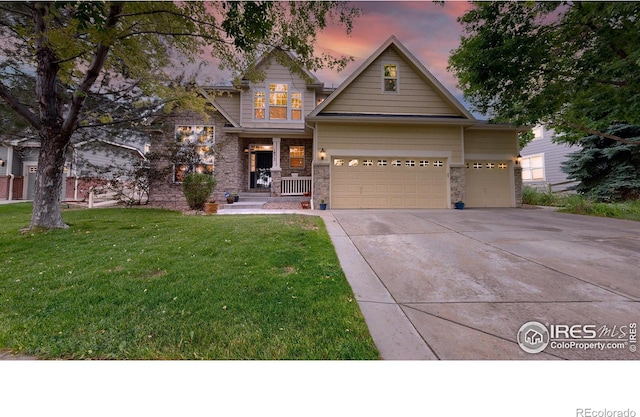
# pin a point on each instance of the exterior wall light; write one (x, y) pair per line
(518, 159)
(323, 154)
(1, 162)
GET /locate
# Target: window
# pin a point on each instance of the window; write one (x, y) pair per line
(490, 165)
(338, 162)
(367, 162)
(390, 78)
(533, 168)
(396, 163)
(278, 101)
(424, 163)
(477, 165)
(502, 165)
(258, 105)
(438, 163)
(382, 162)
(410, 163)
(296, 106)
(280, 105)
(296, 156)
(353, 163)
(195, 150)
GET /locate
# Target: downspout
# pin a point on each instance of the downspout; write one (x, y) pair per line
(75, 174)
(9, 171)
(10, 196)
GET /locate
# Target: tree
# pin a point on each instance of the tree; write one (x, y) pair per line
(608, 170)
(572, 65)
(99, 64)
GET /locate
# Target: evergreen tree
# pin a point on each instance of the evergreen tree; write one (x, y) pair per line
(608, 170)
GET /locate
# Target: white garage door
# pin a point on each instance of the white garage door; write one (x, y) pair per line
(374, 182)
(488, 184)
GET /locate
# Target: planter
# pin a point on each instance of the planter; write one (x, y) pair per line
(229, 200)
(305, 204)
(210, 208)
(459, 205)
(236, 198)
(323, 206)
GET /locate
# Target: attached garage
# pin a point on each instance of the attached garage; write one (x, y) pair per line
(393, 182)
(488, 184)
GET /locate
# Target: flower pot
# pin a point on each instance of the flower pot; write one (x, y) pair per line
(229, 200)
(323, 206)
(305, 204)
(459, 205)
(210, 208)
(236, 198)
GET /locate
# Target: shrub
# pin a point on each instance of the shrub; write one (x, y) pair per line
(536, 197)
(197, 188)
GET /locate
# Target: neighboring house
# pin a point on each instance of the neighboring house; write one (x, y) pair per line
(89, 163)
(390, 136)
(542, 159)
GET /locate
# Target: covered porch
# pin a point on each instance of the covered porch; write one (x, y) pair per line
(278, 166)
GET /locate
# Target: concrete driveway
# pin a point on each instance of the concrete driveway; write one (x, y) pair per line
(459, 284)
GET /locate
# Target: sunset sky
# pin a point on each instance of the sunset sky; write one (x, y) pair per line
(430, 31)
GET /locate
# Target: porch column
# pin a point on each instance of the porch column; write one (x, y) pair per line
(276, 170)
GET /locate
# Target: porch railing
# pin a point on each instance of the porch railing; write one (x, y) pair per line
(296, 185)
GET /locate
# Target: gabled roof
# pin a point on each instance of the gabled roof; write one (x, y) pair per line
(418, 66)
(220, 109)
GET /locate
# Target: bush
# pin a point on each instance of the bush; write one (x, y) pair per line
(536, 197)
(197, 188)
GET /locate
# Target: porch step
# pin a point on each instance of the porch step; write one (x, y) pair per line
(249, 201)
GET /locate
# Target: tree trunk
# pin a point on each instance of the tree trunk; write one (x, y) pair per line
(47, 210)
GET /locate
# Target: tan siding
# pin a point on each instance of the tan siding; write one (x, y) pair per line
(416, 94)
(231, 104)
(490, 142)
(277, 73)
(379, 137)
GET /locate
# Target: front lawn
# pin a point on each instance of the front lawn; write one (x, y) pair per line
(155, 284)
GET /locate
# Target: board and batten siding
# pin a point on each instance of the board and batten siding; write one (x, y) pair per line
(397, 140)
(415, 93)
(490, 142)
(278, 73)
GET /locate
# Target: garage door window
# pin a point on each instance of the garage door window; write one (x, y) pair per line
(338, 162)
(367, 162)
(438, 163)
(410, 163)
(424, 163)
(502, 166)
(353, 163)
(396, 163)
(382, 162)
(491, 165)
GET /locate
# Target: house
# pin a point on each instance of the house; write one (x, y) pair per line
(89, 163)
(542, 159)
(390, 136)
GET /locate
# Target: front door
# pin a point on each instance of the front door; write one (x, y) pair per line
(260, 170)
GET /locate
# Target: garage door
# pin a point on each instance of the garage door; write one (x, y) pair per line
(374, 182)
(488, 184)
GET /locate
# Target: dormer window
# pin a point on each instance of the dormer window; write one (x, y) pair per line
(390, 78)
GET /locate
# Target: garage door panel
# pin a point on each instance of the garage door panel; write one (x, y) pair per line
(373, 184)
(488, 184)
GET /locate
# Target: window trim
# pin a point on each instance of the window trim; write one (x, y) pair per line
(203, 162)
(266, 91)
(530, 169)
(303, 157)
(384, 78)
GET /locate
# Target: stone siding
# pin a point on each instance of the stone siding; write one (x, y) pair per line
(321, 185)
(458, 184)
(517, 172)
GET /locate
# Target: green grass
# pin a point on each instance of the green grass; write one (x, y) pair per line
(154, 284)
(579, 204)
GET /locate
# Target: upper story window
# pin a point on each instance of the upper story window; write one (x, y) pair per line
(390, 78)
(280, 104)
(538, 132)
(195, 152)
